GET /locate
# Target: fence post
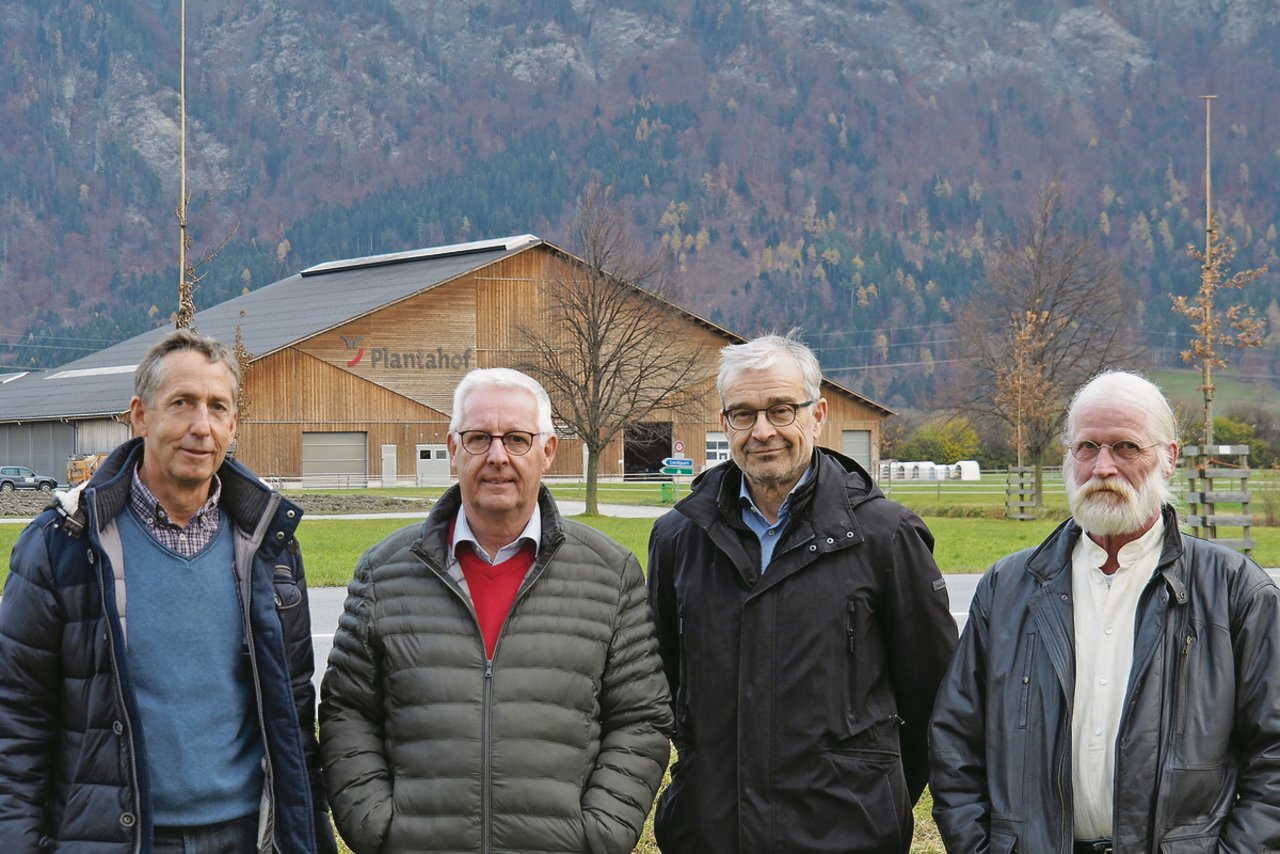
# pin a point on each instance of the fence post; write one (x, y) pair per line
(1020, 493)
(1204, 465)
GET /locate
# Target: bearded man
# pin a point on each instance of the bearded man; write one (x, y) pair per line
(1117, 688)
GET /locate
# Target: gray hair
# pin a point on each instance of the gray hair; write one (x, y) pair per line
(1126, 387)
(506, 378)
(148, 377)
(760, 354)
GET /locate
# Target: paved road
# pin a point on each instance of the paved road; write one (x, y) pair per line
(326, 605)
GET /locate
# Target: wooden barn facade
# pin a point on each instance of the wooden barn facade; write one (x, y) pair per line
(356, 362)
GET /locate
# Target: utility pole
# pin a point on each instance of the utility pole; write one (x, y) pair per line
(1208, 270)
(186, 301)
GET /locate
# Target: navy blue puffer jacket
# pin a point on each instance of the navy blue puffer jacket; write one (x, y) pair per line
(73, 772)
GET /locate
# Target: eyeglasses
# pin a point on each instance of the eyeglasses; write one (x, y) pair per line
(516, 442)
(779, 415)
(1125, 451)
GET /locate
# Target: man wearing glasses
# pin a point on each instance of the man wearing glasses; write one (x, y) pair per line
(1117, 688)
(804, 628)
(494, 683)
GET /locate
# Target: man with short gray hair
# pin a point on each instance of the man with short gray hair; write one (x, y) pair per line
(494, 683)
(1117, 688)
(155, 643)
(804, 627)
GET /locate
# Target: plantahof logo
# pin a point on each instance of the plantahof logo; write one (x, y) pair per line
(385, 357)
(353, 343)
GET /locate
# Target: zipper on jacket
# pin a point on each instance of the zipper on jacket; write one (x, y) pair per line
(267, 772)
(682, 686)
(486, 734)
(124, 713)
(851, 670)
(486, 762)
(1183, 667)
(1026, 682)
(1065, 818)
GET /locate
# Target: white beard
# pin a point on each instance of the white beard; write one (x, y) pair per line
(1111, 506)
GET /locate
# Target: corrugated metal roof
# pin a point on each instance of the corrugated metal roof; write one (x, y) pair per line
(275, 316)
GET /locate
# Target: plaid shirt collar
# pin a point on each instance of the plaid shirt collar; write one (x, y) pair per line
(187, 541)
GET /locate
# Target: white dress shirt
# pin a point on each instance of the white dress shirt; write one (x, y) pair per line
(1105, 611)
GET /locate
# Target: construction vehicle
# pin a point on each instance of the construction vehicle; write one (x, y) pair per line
(80, 467)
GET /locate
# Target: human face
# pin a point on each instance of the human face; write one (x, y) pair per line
(187, 428)
(772, 458)
(1109, 496)
(499, 487)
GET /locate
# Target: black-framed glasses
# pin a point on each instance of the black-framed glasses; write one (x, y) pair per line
(516, 442)
(779, 415)
(1125, 450)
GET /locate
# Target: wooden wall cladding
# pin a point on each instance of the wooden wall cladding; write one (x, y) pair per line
(292, 392)
(420, 347)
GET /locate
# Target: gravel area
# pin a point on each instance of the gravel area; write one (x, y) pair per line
(24, 503)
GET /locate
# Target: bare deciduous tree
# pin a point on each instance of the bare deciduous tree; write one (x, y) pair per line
(1242, 327)
(610, 348)
(1054, 311)
(244, 357)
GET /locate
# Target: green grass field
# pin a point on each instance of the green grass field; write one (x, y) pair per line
(965, 518)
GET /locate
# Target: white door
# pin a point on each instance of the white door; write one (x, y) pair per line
(433, 465)
(857, 444)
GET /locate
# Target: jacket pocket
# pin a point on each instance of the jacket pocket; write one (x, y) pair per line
(1191, 845)
(681, 736)
(1184, 665)
(1003, 844)
(1003, 838)
(1024, 693)
(1198, 796)
(850, 659)
(287, 593)
(866, 795)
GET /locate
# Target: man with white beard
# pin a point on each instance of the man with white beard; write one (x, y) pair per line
(1117, 688)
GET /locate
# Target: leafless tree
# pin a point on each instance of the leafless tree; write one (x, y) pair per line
(244, 357)
(610, 347)
(1054, 312)
(1242, 327)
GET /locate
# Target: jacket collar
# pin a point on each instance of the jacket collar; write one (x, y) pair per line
(244, 496)
(826, 501)
(435, 539)
(1053, 557)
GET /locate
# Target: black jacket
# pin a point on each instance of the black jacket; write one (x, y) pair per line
(802, 696)
(73, 772)
(1198, 753)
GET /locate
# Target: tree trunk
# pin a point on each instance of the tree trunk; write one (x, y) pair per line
(593, 478)
(1039, 499)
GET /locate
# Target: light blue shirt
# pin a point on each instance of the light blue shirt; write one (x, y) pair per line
(768, 533)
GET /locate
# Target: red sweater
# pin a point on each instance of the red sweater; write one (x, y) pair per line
(493, 587)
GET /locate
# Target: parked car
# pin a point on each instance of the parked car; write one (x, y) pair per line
(21, 477)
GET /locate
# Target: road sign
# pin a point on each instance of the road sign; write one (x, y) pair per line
(678, 447)
(677, 469)
(678, 462)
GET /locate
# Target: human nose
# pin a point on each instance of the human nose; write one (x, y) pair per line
(762, 427)
(200, 419)
(1105, 461)
(497, 451)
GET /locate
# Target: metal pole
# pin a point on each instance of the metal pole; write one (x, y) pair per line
(1206, 273)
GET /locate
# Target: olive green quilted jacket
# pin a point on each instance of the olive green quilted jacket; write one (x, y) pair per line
(556, 745)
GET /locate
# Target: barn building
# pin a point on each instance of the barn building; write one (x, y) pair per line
(353, 366)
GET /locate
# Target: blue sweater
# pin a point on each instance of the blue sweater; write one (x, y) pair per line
(188, 661)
